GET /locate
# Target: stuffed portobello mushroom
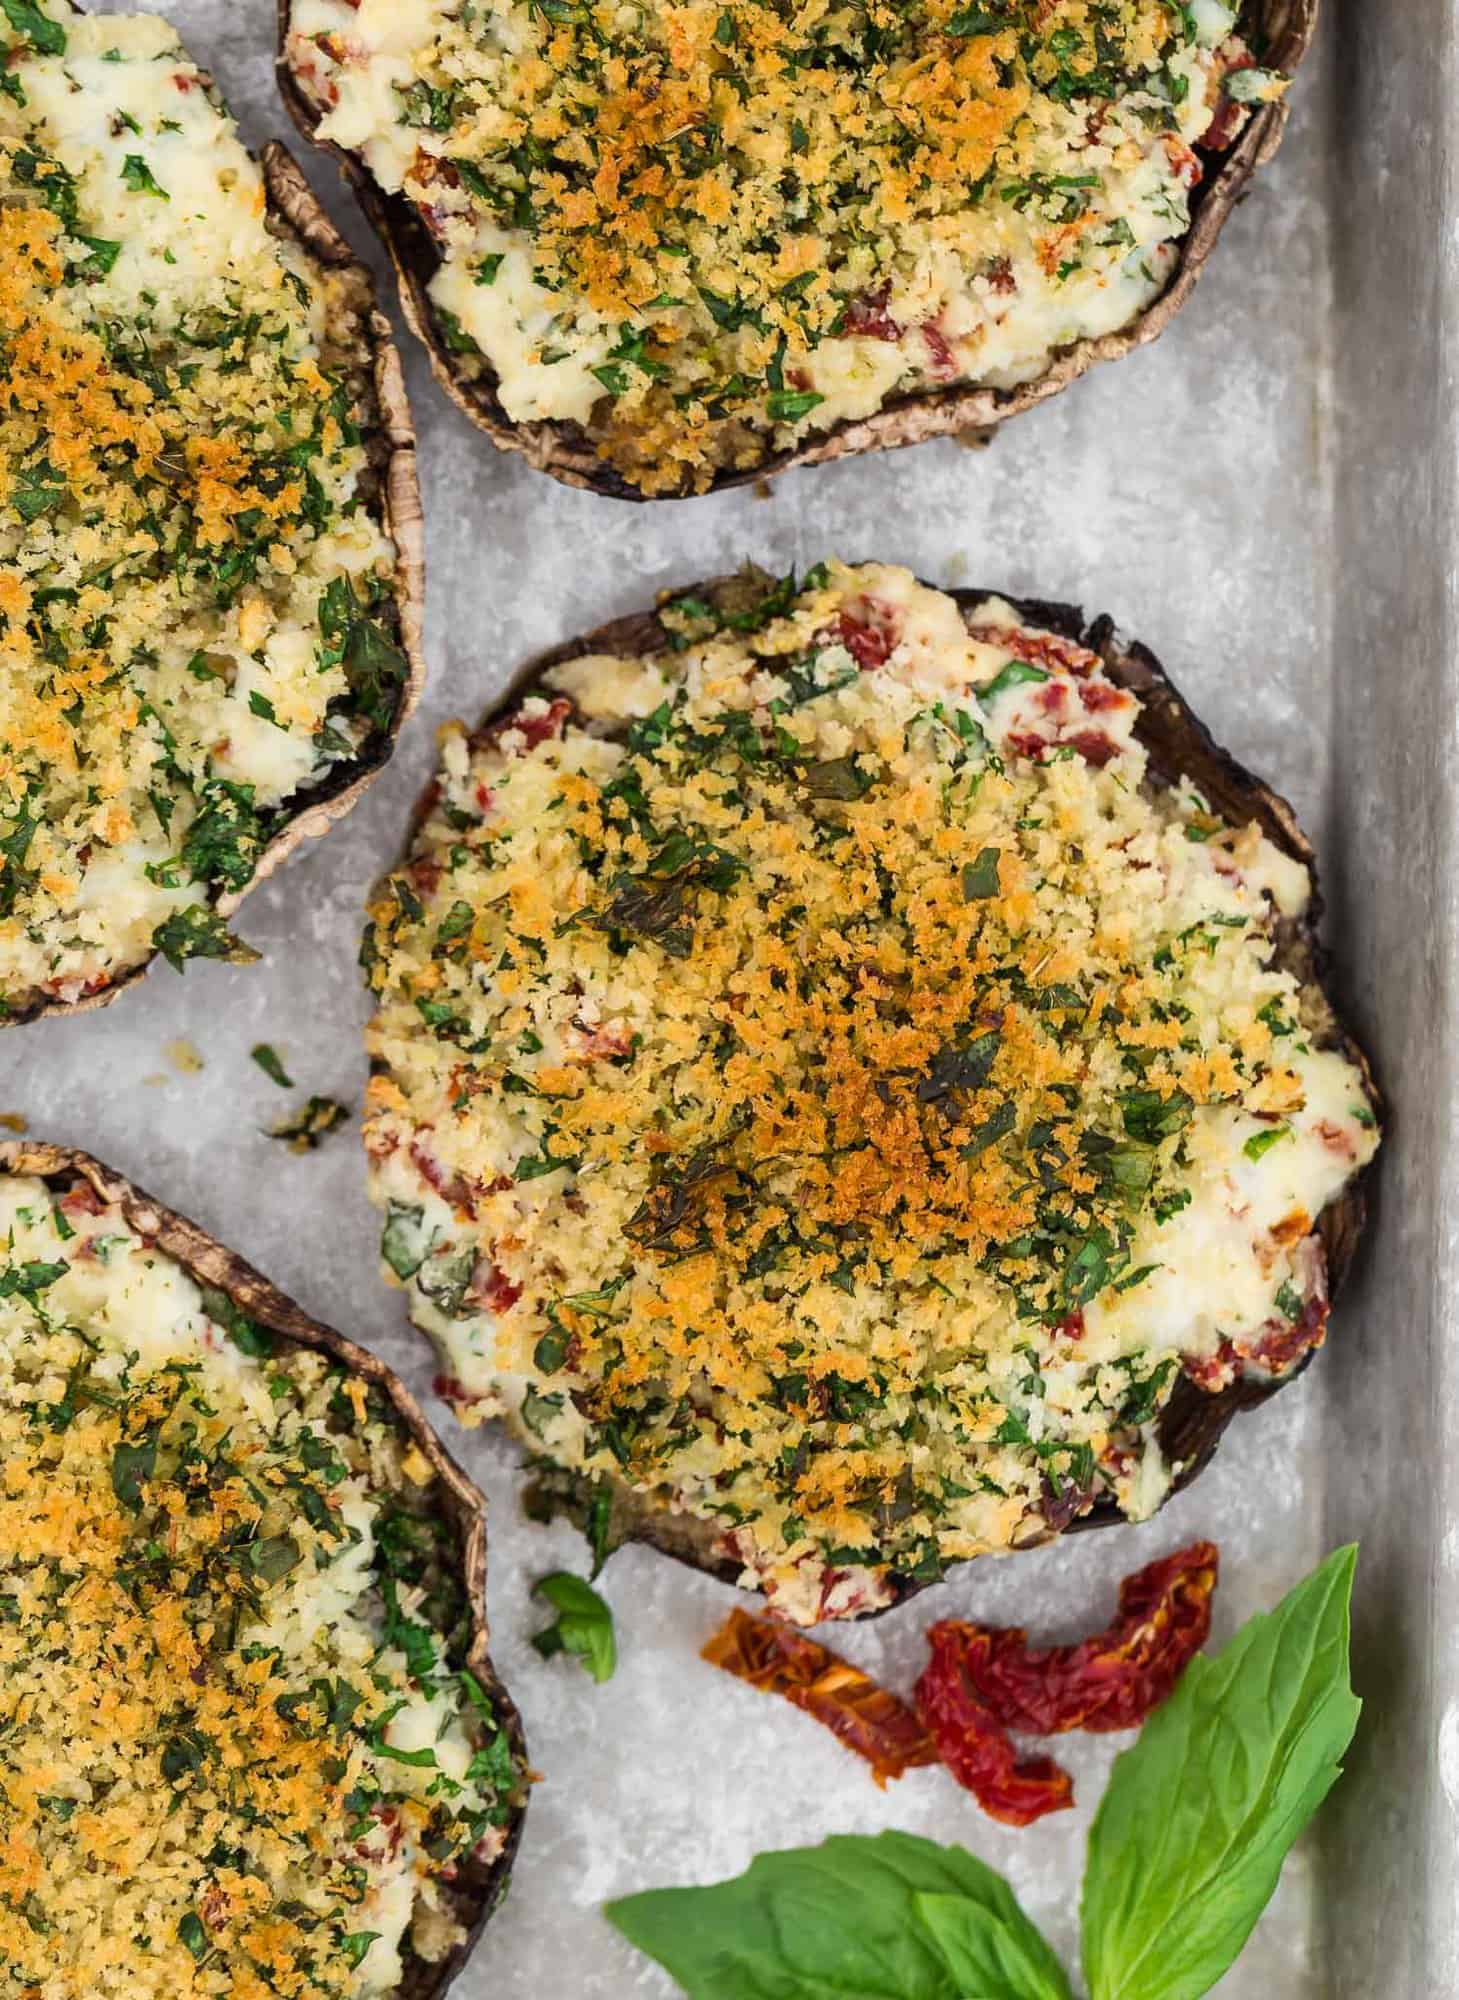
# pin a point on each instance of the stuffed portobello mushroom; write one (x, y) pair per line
(209, 518)
(252, 1742)
(852, 1087)
(662, 248)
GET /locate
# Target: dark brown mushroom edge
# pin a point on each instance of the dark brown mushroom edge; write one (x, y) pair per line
(1272, 33)
(1060, 699)
(96, 1263)
(228, 841)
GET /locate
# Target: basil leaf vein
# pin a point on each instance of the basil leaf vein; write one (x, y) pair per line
(992, 1948)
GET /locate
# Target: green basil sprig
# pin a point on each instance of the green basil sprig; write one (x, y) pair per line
(583, 1626)
(1184, 1854)
(845, 1918)
(1191, 1834)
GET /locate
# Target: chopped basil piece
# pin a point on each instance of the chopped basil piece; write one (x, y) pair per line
(46, 36)
(788, 406)
(268, 1061)
(403, 1244)
(980, 877)
(139, 178)
(1262, 1142)
(1015, 674)
(197, 932)
(582, 1628)
(190, 1932)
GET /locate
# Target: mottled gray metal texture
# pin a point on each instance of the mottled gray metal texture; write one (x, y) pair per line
(1389, 1845)
(1266, 497)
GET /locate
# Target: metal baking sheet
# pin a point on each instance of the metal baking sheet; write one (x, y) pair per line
(1266, 497)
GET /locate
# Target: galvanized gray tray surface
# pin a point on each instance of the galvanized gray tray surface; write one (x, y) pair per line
(1266, 497)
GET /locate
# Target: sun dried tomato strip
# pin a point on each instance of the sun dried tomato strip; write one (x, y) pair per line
(1037, 649)
(976, 1747)
(1110, 1681)
(866, 1717)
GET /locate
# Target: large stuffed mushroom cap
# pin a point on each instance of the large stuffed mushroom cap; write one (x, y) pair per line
(854, 1090)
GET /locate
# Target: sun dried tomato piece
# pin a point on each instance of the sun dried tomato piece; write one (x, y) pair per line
(870, 637)
(941, 359)
(867, 1718)
(868, 316)
(1100, 694)
(1037, 649)
(974, 1744)
(490, 1288)
(454, 1188)
(1229, 116)
(544, 725)
(1212, 1372)
(1110, 1681)
(1283, 1343)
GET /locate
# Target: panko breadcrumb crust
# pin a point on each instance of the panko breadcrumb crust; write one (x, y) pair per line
(1284, 29)
(477, 1890)
(1179, 746)
(392, 489)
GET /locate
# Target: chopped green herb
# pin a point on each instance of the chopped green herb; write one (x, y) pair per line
(583, 1626)
(268, 1061)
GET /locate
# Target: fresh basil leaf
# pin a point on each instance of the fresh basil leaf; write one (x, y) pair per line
(810, 1923)
(1191, 1834)
(583, 1627)
(993, 1951)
